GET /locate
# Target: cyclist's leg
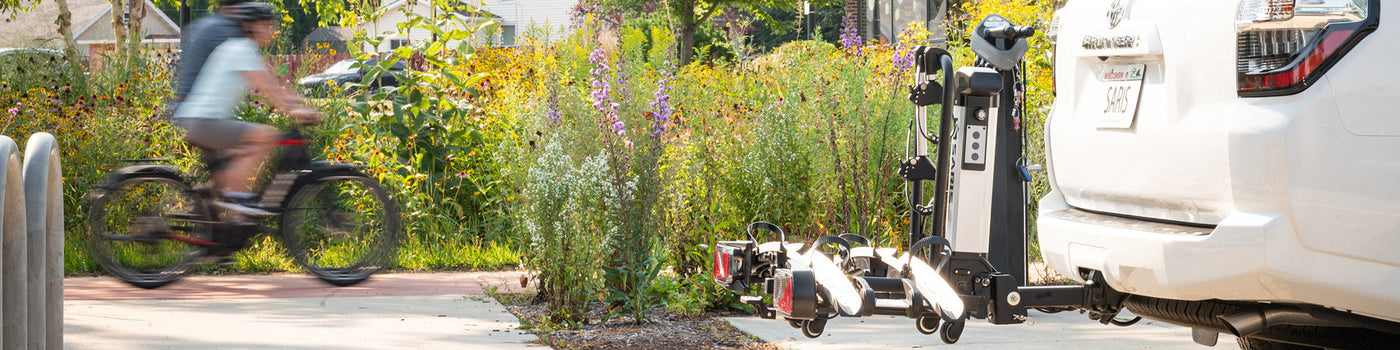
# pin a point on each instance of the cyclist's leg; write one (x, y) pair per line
(245, 144)
(255, 142)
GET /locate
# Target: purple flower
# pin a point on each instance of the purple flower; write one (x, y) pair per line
(14, 111)
(602, 91)
(552, 111)
(850, 38)
(662, 106)
(903, 57)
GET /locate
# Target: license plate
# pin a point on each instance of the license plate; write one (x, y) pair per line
(1117, 93)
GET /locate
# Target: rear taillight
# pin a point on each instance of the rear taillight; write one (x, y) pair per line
(1286, 45)
(721, 265)
(784, 302)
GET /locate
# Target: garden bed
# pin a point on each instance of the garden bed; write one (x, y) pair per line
(665, 331)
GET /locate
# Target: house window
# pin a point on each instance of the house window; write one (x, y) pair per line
(886, 19)
(508, 35)
(396, 42)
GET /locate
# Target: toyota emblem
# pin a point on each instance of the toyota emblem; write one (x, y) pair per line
(1115, 13)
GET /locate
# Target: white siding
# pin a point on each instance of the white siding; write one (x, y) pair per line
(521, 13)
(388, 23)
(516, 13)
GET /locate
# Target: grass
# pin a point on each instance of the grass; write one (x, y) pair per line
(266, 254)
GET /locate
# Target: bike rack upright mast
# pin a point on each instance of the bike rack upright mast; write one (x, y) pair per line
(929, 61)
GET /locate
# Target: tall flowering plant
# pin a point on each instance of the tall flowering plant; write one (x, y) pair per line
(851, 41)
(634, 179)
(913, 36)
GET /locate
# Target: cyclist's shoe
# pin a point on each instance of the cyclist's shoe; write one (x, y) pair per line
(241, 206)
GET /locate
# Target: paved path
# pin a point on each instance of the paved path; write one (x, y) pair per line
(390, 311)
(1066, 330)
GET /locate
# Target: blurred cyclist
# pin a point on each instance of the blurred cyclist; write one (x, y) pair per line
(199, 39)
(207, 114)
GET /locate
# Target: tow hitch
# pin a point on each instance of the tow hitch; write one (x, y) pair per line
(967, 256)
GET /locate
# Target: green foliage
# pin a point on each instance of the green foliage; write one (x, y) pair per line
(564, 229)
(500, 157)
(425, 138)
(9, 9)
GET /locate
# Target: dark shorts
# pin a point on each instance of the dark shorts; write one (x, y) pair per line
(214, 133)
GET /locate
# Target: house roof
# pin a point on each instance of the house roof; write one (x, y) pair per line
(105, 13)
(37, 28)
(330, 34)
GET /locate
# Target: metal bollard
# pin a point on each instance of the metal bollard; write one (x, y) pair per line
(13, 259)
(43, 190)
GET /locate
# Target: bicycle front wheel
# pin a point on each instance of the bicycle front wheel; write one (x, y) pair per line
(342, 228)
(148, 229)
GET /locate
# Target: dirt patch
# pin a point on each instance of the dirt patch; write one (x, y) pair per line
(665, 331)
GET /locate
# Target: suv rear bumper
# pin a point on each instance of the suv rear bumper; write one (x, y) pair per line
(1247, 257)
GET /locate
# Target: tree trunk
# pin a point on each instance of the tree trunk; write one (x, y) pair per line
(133, 27)
(70, 47)
(685, 37)
(118, 28)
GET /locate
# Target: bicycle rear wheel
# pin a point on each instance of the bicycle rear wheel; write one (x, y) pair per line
(342, 227)
(147, 229)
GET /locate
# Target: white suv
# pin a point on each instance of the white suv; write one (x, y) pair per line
(1231, 164)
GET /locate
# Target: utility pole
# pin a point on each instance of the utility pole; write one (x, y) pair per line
(184, 14)
(807, 18)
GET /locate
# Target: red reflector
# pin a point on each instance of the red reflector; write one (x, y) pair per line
(291, 142)
(1295, 76)
(785, 301)
(721, 265)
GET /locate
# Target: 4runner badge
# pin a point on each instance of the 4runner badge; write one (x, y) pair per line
(1115, 13)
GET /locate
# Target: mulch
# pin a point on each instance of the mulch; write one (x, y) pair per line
(662, 331)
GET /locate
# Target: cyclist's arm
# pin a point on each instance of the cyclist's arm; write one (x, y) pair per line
(289, 102)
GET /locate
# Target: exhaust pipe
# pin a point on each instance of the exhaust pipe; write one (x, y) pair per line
(1252, 321)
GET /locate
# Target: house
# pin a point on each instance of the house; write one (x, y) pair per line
(519, 16)
(92, 28)
(515, 17)
(397, 11)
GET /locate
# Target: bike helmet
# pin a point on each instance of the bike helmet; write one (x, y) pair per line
(252, 12)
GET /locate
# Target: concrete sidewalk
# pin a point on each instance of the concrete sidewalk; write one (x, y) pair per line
(424, 311)
(1065, 330)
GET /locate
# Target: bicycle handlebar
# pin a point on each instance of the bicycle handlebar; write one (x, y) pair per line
(1011, 32)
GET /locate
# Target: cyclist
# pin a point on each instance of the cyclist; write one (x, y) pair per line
(202, 36)
(207, 114)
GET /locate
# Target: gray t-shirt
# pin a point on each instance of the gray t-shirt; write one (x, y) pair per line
(204, 35)
(222, 86)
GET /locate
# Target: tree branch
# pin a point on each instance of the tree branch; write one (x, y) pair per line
(713, 6)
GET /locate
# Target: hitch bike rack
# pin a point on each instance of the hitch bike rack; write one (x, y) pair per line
(945, 276)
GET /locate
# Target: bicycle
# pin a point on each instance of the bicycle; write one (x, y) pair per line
(149, 223)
